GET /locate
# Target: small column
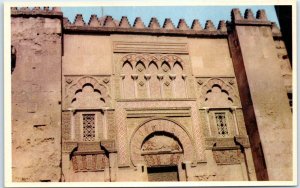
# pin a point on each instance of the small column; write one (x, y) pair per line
(188, 168)
(181, 172)
(67, 166)
(160, 77)
(72, 127)
(135, 77)
(105, 128)
(122, 76)
(207, 119)
(185, 85)
(173, 77)
(106, 174)
(244, 170)
(113, 166)
(235, 120)
(250, 164)
(147, 78)
(142, 171)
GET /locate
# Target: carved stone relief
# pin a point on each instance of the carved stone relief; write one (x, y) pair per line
(227, 156)
(160, 136)
(217, 92)
(123, 140)
(152, 76)
(90, 162)
(86, 92)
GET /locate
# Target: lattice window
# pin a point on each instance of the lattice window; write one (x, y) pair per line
(221, 123)
(88, 127)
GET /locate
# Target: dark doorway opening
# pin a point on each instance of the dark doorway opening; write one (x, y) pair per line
(163, 173)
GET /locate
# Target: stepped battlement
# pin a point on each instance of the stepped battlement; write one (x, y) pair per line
(109, 24)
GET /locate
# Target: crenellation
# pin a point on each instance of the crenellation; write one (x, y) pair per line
(109, 22)
(236, 15)
(222, 26)
(124, 23)
(209, 26)
(261, 15)
(249, 14)
(196, 25)
(168, 24)
(78, 21)
(138, 23)
(46, 9)
(94, 22)
(182, 25)
(36, 9)
(154, 24)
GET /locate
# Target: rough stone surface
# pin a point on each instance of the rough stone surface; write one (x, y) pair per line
(36, 96)
(127, 105)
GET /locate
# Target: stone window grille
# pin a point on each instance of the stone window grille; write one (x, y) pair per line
(88, 127)
(221, 124)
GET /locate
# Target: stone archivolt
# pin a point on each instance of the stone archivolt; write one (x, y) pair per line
(180, 142)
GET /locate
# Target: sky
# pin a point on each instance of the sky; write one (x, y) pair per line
(189, 13)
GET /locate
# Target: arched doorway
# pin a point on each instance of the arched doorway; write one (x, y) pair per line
(162, 146)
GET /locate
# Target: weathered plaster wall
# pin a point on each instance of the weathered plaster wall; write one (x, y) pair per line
(210, 57)
(36, 98)
(86, 55)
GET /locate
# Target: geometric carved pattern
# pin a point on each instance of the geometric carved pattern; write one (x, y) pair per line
(88, 127)
(221, 124)
(66, 124)
(227, 156)
(89, 162)
(163, 159)
(123, 154)
(158, 126)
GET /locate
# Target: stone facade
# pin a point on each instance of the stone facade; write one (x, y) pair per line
(107, 101)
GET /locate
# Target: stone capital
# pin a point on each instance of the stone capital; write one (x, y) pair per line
(147, 76)
(134, 76)
(172, 76)
(160, 76)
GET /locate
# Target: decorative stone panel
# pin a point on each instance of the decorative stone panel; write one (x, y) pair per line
(161, 125)
(227, 156)
(123, 137)
(226, 89)
(66, 125)
(89, 162)
(74, 88)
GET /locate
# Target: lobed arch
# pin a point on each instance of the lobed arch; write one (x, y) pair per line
(133, 59)
(225, 88)
(148, 127)
(87, 81)
(125, 63)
